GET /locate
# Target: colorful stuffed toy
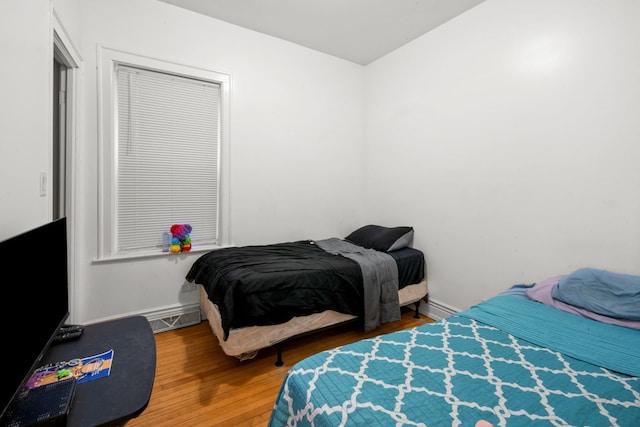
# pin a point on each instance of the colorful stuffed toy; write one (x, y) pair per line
(181, 240)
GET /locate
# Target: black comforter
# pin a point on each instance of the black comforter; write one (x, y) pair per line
(270, 284)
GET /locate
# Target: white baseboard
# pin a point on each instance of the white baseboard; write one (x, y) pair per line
(438, 310)
(186, 315)
(174, 318)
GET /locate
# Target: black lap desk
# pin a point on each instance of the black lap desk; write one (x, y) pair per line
(125, 393)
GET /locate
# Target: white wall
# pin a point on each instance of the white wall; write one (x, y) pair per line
(508, 138)
(69, 12)
(25, 114)
(296, 144)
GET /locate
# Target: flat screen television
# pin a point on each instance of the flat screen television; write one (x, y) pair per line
(35, 288)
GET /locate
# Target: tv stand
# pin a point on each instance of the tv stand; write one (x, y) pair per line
(125, 393)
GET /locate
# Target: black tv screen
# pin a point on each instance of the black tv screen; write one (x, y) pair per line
(35, 288)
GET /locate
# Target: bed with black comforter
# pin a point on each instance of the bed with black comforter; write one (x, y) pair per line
(262, 285)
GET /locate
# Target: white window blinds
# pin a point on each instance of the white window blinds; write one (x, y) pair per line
(168, 143)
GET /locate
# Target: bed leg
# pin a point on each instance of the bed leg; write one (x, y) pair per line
(279, 361)
(416, 315)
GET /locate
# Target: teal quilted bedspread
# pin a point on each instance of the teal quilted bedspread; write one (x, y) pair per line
(509, 361)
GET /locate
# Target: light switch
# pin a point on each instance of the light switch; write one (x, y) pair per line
(43, 184)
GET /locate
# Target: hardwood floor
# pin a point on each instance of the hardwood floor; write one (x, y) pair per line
(196, 384)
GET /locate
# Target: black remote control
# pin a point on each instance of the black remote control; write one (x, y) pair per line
(70, 328)
(68, 333)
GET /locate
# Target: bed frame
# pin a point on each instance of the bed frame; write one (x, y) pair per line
(244, 343)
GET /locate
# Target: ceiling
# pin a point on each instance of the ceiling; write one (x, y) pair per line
(360, 31)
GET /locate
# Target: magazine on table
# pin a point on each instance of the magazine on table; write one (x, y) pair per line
(82, 369)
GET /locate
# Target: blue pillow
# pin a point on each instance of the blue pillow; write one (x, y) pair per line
(610, 294)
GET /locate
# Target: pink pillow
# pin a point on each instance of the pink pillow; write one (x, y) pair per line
(541, 292)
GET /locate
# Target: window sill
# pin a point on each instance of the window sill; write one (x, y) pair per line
(157, 254)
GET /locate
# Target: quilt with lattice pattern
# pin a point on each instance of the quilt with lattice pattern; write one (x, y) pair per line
(510, 361)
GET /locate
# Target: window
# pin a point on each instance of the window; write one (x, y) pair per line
(163, 154)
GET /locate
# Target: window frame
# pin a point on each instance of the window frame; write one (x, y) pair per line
(107, 140)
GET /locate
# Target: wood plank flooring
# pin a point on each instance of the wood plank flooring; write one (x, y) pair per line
(196, 384)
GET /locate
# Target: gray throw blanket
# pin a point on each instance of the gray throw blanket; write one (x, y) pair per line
(379, 279)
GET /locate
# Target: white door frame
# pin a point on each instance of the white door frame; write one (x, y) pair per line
(63, 50)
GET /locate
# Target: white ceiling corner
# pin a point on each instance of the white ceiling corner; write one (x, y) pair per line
(360, 31)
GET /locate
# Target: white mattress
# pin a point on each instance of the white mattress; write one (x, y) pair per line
(244, 343)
